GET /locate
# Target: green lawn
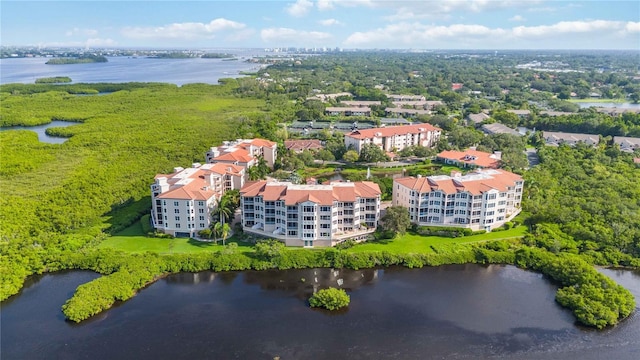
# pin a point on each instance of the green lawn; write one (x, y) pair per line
(411, 243)
(132, 240)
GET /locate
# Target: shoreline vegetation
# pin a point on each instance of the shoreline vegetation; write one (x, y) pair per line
(54, 80)
(78, 60)
(60, 204)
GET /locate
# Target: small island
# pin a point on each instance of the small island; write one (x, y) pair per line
(219, 56)
(85, 59)
(330, 299)
(54, 80)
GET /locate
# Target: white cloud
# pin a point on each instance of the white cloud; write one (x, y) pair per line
(288, 36)
(299, 8)
(325, 5)
(82, 32)
(97, 42)
(185, 31)
(568, 27)
(89, 43)
(615, 33)
(517, 18)
(329, 22)
(406, 11)
(632, 27)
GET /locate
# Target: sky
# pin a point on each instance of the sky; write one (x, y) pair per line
(347, 24)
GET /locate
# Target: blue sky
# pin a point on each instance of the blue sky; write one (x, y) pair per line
(443, 24)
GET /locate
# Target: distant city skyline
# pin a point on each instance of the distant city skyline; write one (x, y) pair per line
(349, 24)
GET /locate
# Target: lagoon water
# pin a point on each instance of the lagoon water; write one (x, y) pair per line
(454, 312)
(127, 69)
(41, 130)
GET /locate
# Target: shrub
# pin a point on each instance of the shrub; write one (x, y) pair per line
(330, 299)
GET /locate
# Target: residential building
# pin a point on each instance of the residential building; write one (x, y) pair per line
(395, 97)
(627, 144)
(327, 97)
(182, 201)
(348, 111)
(571, 139)
(555, 113)
(471, 158)
(418, 104)
(360, 104)
(476, 119)
(310, 215)
(299, 146)
(244, 152)
(394, 138)
(406, 112)
(482, 200)
(523, 114)
(497, 128)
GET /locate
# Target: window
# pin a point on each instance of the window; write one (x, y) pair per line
(200, 203)
(308, 209)
(177, 218)
(491, 196)
(176, 211)
(325, 226)
(292, 233)
(201, 218)
(201, 211)
(175, 203)
(201, 225)
(309, 218)
(309, 227)
(177, 226)
(325, 208)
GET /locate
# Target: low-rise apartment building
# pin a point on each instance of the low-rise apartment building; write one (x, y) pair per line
(182, 201)
(484, 199)
(394, 138)
(556, 138)
(348, 111)
(310, 215)
(627, 144)
(244, 152)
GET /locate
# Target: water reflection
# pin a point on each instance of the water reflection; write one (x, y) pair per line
(461, 311)
(41, 130)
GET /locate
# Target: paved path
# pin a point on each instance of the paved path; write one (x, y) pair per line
(532, 157)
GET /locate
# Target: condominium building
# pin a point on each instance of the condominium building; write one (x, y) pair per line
(244, 152)
(182, 201)
(484, 199)
(471, 158)
(310, 215)
(394, 138)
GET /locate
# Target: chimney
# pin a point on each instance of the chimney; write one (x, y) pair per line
(497, 155)
(177, 169)
(455, 174)
(419, 176)
(196, 165)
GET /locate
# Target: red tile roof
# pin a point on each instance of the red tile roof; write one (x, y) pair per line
(471, 157)
(392, 131)
(319, 194)
(192, 183)
(298, 145)
(475, 183)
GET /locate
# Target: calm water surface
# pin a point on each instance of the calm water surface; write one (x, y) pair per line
(41, 130)
(126, 69)
(461, 311)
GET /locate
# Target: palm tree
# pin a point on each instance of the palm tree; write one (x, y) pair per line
(224, 231)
